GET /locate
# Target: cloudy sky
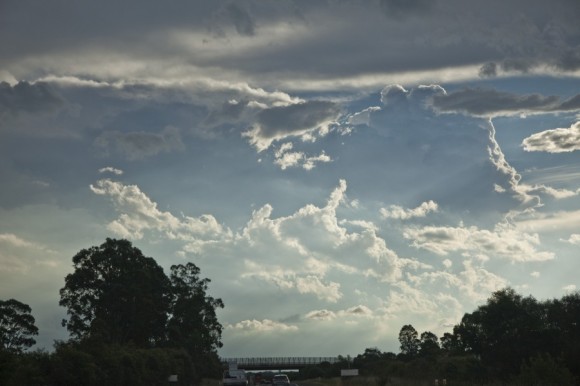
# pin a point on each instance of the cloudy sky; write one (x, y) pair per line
(337, 168)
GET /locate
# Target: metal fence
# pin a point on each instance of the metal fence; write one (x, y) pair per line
(278, 362)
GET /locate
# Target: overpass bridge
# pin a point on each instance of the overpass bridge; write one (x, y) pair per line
(278, 363)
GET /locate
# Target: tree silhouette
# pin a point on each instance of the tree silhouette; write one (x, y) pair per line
(116, 295)
(429, 344)
(16, 326)
(193, 323)
(408, 337)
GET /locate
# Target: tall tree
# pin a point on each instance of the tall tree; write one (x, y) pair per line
(116, 295)
(16, 326)
(193, 322)
(408, 337)
(429, 344)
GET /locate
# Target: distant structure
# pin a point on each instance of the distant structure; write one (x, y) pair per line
(277, 363)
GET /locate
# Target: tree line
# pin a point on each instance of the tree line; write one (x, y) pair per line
(129, 324)
(509, 340)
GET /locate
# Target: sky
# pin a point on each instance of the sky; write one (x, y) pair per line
(336, 168)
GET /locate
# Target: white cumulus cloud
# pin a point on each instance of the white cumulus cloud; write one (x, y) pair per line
(398, 212)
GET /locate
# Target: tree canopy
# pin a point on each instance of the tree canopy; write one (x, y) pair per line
(17, 327)
(410, 343)
(193, 323)
(116, 295)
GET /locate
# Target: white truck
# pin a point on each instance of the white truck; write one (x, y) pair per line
(235, 377)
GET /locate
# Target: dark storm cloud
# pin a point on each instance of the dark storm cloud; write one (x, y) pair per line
(397, 8)
(295, 119)
(66, 24)
(396, 95)
(521, 65)
(228, 112)
(27, 98)
(570, 60)
(241, 19)
(273, 41)
(488, 70)
(488, 102)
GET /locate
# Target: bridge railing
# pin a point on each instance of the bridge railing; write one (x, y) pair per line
(268, 362)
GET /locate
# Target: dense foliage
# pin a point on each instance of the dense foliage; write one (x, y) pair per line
(130, 324)
(510, 339)
(17, 327)
(116, 295)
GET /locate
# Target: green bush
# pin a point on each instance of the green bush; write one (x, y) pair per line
(543, 370)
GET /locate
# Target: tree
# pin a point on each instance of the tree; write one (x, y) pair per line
(408, 337)
(16, 326)
(450, 343)
(505, 331)
(116, 295)
(564, 320)
(429, 344)
(193, 322)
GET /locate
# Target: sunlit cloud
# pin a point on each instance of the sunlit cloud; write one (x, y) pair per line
(112, 170)
(502, 242)
(564, 140)
(261, 326)
(139, 214)
(397, 212)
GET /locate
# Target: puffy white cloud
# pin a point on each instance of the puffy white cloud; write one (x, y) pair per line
(139, 214)
(503, 242)
(569, 288)
(310, 244)
(261, 326)
(574, 239)
(285, 158)
(397, 212)
(110, 169)
(316, 232)
(561, 140)
(313, 285)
